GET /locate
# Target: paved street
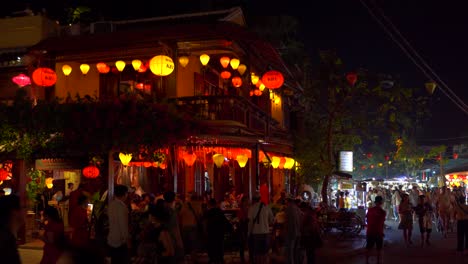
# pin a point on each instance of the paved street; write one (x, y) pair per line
(351, 250)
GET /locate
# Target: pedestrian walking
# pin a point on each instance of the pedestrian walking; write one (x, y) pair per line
(11, 220)
(424, 212)
(118, 237)
(260, 219)
(293, 230)
(461, 210)
(217, 226)
(80, 224)
(405, 212)
(311, 239)
(54, 237)
(375, 229)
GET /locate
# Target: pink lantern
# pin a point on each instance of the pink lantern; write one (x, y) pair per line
(21, 80)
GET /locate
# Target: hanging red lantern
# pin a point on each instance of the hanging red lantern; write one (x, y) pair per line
(369, 155)
(3, 174)
(91, 172)
(143, 67)
(44, 77)
(140, 86)
(237, 81)
(282, 162)
(225, 75)
(147, 164)
(257, 92)
(387, 157)
(21, 80)
(251, 93)
(351, 78)
(102, 67)
(162, 166)
(455, 155)
(224, 61)
(273, 79)
(189, 158)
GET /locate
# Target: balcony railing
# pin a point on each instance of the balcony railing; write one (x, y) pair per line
(232, 108)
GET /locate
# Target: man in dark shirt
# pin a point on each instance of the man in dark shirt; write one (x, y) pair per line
(11, 219)
(375, 228)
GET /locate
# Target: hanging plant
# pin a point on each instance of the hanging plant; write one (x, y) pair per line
(158, 156)
(35, 184)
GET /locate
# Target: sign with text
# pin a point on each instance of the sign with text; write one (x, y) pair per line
(346, 161)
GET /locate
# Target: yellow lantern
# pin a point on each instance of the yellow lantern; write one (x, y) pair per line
(218, 160)
(241, 69)
(183, 60)
(261, 87)
(66, 69)
(204, 59)
(455, 176)
(120, 65)
(125, 158)
(275, 161)
(49, 182)
(380, 164)
(235, 63)
(242, 160)
(161, 65)
(277, 100)
(224, 61)
(289, 164)
(7, 191)
(254, 79)
(136, 64)
(84, 68)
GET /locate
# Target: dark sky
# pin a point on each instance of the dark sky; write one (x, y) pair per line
(436, 29)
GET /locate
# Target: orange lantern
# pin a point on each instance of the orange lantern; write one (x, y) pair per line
(282, 162)
(143, 67)
(163, 166)
(225, 75)
(3, 174)
(241, 69)
(189, 158)
(273, 79)
(147, 164)
(261, 156)
(257, 92)
(251, 93)
(49, 182)
(140, 86)
(224, 61)
(218, 159)
(91, 172)
(102, 67)
(237, 81)
(44, 77)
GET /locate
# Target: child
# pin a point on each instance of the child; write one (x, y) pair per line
(424, 212)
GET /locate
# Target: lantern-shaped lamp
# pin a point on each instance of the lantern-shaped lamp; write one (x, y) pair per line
(163, 166)
(84, 68)
(289, 164)
(189, 158)
(3, 174)
(430, 87)
(21, 80)
(120, 65)
(161, 65)
(204, 59)
(183, 60)
(218, 159)
(91, 172)
(225, 75)
(224, 61)
(254, 78)
(143, 67)
(242, 160)
(66, 69)
(49, 182)
(261, 86)
(44, 77)
(102, 67)
(257, 92)
(455, 155)
(125, 158)
(237, 81)
(7, 191)
(282, 162)
(136, 64)
(275, 161)
(241, 69)
(235, 63)
(273, 79)
(147, 164)
(351, 78)
(387, 157)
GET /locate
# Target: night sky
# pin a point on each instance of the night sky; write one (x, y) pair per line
(436, 29)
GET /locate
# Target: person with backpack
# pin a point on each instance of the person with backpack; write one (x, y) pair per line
(260, 219)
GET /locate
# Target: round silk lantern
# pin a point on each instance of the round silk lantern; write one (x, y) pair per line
(275, 161)
(282, 162)
(235, 63)
(241, 69)
(21, 80)
(66, 69)
(161, 65)
(183, 60)
(273, 79)
(143, 67)
(224, 61)
(351, 78)
(218, 159)
(3, 174)
(257, 92)
(84, 68)
(49, 183)
(44, 77)
(189, 158)
(242, 160)
(289, 164)
(147, 164)
(225, 75)
(162, 166)
(237, 81)
(125, 158)
(204, 59)
(120, 65)
(254, 79)
(91, 172)
(102, 67)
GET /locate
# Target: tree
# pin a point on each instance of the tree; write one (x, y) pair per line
(345, 109)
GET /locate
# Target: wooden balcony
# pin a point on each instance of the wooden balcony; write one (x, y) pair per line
(233, 111)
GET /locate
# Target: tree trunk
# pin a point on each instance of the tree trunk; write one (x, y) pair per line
(325, 189)
(326, 180)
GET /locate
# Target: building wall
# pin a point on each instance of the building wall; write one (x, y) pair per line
(185, 77)
(277, 110)
(25, 31)
(76, 82)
